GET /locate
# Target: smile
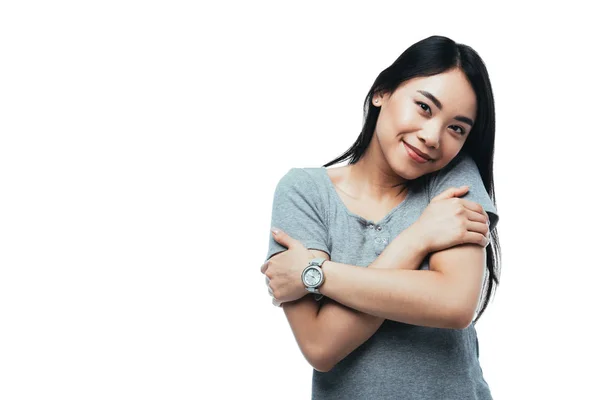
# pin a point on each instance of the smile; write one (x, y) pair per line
(414, 155)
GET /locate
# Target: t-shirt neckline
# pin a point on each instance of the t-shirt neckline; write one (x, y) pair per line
(340, 202)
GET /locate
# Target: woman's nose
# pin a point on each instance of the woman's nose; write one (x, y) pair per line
(430, 136)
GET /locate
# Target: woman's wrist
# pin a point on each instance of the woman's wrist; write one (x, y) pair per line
(405, 251)
(416, 240)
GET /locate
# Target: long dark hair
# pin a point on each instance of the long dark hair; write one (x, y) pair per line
(432, 56)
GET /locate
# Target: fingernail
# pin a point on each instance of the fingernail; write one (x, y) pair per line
(274, 230)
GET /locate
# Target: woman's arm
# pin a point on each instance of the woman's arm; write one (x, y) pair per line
(326, 335)
(359, 299)
(446, 296)
(344, 328)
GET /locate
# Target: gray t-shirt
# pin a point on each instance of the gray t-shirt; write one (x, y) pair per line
(399, 361)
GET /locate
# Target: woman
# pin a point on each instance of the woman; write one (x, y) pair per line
(404, 242)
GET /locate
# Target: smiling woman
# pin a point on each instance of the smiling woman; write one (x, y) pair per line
(406, 251)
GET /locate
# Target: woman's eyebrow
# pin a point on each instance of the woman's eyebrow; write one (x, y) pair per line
(438, 104)
(464, 119)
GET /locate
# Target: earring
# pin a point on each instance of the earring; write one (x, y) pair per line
(376, 100)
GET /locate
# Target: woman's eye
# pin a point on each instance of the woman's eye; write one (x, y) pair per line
(461, 130)
(424, 107)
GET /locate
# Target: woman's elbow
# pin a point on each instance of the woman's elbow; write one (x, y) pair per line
(318, 358)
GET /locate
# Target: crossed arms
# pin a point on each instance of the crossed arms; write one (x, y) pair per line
(358, 300)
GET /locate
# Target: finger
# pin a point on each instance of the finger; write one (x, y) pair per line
(477, 217)
(477, 227)
(264, 267)
(473, 206)
(280, 236)
(272, 294)
(283, 238)
(476, 238)
(451, 192)
(276, 303)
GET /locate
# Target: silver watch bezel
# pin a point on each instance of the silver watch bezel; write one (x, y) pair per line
(321, 276)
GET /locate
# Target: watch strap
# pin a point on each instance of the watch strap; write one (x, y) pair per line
(318, 261)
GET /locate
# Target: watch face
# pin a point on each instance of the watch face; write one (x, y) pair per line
(312, 277)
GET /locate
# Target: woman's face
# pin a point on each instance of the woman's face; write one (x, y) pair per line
(433, 114)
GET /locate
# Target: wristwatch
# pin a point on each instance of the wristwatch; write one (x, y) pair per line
(313, 276)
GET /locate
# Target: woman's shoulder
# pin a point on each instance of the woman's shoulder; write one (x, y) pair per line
(314, 176)
(311, 180)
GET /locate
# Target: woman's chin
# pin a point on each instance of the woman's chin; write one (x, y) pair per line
(404, 171)
(409, 168)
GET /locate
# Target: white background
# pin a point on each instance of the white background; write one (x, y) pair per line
(141, 143)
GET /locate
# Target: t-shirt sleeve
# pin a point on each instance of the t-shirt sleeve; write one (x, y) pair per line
(461, 171)
(298, 209)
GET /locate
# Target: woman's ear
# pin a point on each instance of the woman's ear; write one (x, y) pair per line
(377, 100)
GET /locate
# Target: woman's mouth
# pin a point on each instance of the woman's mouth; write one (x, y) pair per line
(414, 155)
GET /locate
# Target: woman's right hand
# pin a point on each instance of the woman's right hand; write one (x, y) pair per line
(450, 221)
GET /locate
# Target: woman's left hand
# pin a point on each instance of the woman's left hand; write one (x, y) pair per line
(284, 270)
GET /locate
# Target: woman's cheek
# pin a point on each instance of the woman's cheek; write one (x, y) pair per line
(407, 119)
